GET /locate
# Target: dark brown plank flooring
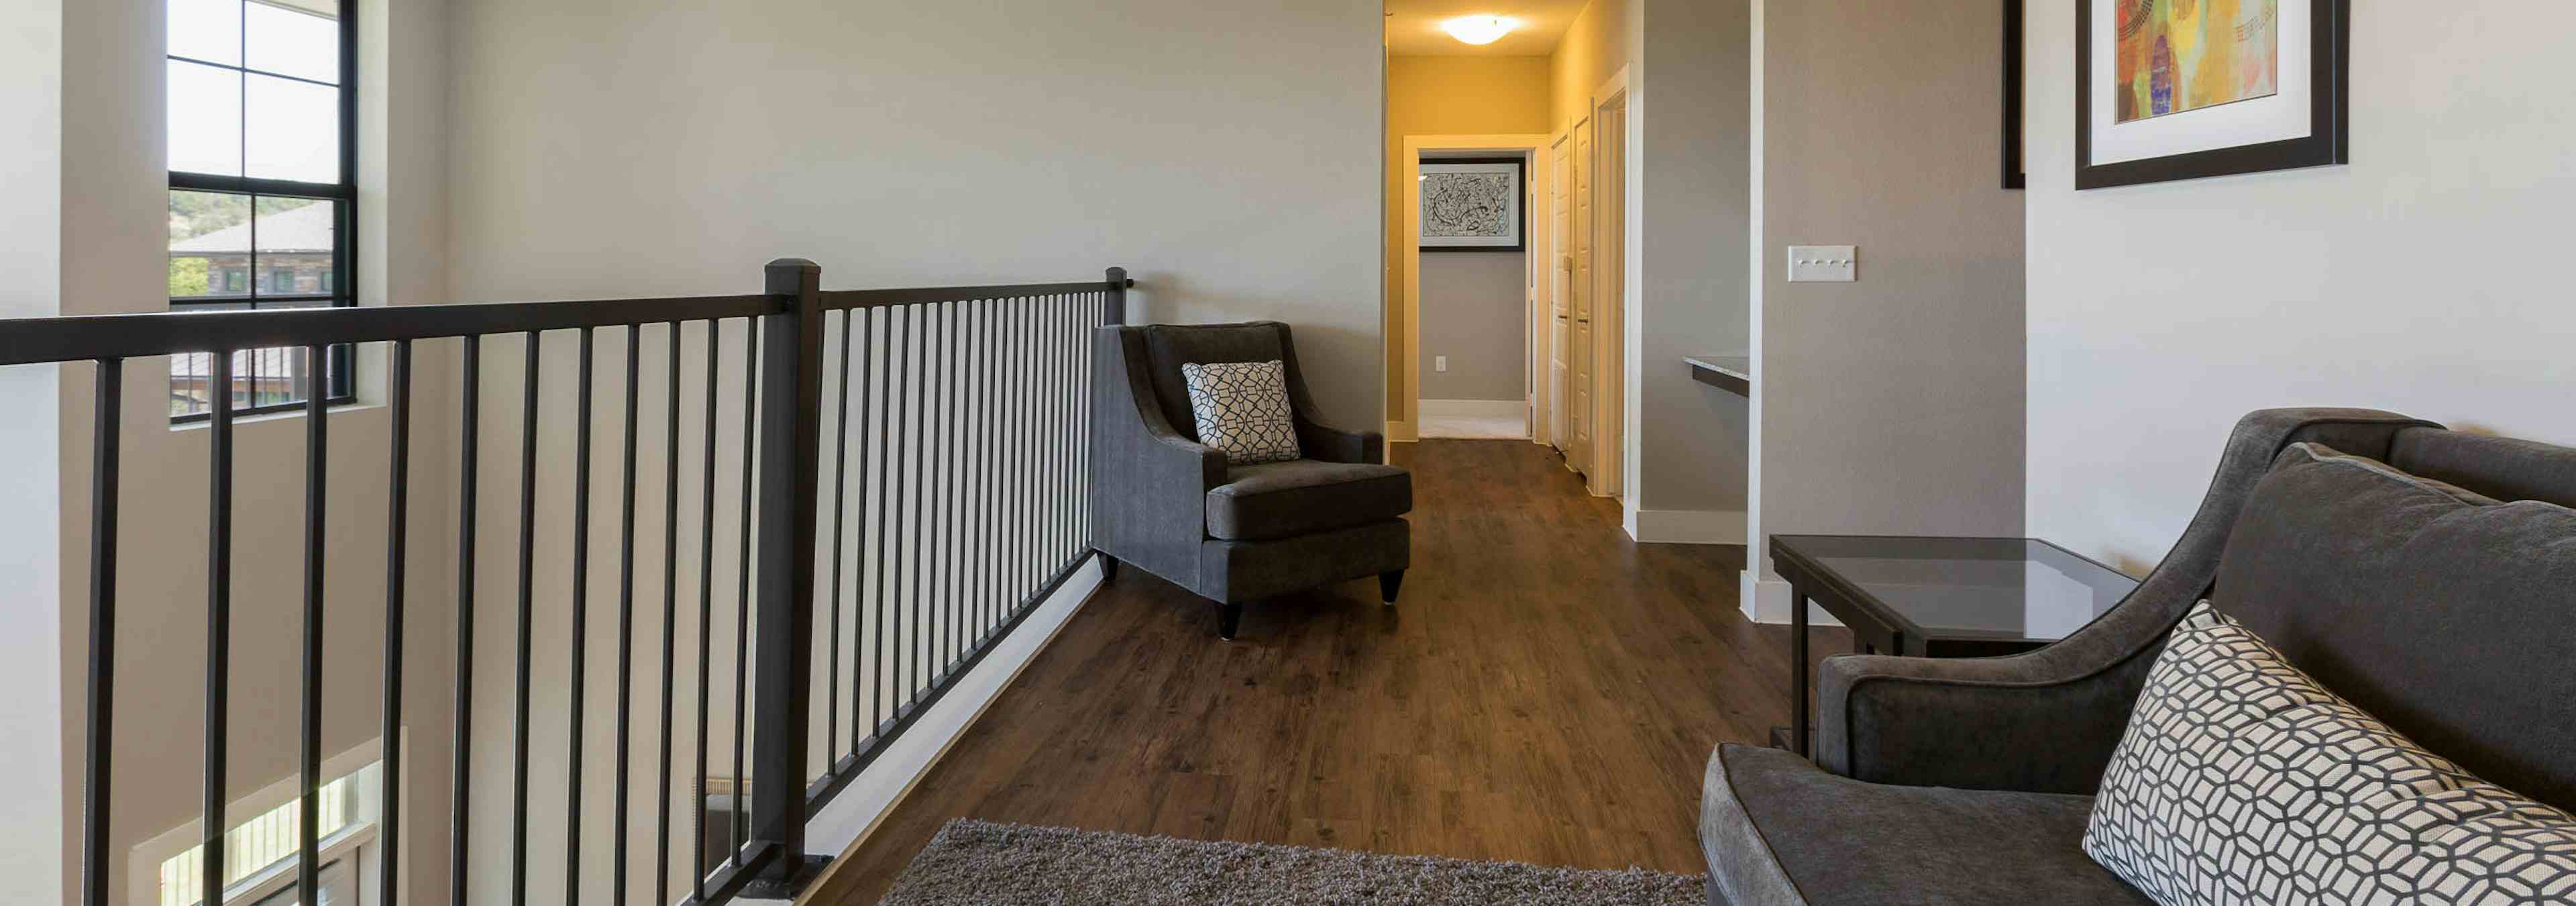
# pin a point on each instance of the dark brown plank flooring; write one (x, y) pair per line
(1546, 691)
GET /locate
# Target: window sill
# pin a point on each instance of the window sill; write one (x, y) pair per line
(200, 424)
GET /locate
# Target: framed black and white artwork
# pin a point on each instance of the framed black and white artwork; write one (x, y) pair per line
(1473, 205)
(2185, 89)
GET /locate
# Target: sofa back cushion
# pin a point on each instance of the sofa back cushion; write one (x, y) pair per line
(2240, 780)
(1169, 346)
(2445, 613)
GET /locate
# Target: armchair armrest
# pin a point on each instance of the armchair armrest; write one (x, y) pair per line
(1149, 483)
(2048, 720)
(1330, 444)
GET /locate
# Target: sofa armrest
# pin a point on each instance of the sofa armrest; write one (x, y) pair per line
(1149, 483)
(2046, 721)
(1325, 442)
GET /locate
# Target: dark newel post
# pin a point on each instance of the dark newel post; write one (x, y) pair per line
(791, 403)
(1114, 305)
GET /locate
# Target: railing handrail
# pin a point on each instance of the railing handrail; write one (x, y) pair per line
(74, 338)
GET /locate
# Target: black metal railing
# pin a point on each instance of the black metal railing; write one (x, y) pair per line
(940, 430)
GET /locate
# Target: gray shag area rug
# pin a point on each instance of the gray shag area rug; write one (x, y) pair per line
(981, 862)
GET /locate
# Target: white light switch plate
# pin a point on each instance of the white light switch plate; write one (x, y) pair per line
(1824, 263)
(1439, 363)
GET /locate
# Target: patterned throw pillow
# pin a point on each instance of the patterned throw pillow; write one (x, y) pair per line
(2241, 781)
(1242, 410)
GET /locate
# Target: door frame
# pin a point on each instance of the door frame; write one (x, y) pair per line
(1614, 267)
(1401, 426)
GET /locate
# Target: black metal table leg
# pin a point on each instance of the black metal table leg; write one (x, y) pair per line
(1798, 730)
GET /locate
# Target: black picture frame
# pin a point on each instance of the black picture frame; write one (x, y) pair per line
(2014, 131)
(1520, 188)
(2327, 143)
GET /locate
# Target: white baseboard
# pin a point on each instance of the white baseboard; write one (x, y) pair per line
(866, 802)
(1767, 601)
(1475, 408)
(1684, 526)
(1399, 432)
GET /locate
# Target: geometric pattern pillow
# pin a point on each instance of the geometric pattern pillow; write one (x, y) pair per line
(1242, 410)
(2240, 780)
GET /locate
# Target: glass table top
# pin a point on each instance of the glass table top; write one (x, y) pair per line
(1965, 588)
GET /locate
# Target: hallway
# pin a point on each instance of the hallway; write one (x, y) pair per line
(1546, 691)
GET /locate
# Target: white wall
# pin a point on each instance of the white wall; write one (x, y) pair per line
(1227, 157)
(35, 840)
(1890, 406)
(2414, 279)
(113, 245)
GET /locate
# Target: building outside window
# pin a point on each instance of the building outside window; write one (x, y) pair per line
(263, 190)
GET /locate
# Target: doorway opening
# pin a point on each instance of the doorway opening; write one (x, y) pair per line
(1473, 284)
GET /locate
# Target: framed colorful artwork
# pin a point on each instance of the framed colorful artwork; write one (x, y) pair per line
(1472, 204)
(2185, 89)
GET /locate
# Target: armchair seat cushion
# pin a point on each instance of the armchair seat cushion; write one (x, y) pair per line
(1285, 499)
(1778, 831)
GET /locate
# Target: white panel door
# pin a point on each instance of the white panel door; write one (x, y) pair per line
(1578, 454)
(1560, 291)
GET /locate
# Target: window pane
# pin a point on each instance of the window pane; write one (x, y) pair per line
(209, 30)
(206, 119)
(209, 245)
(294, 130)
(288, 37)
(295, 236)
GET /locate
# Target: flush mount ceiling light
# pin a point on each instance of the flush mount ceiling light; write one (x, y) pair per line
(1479, 29)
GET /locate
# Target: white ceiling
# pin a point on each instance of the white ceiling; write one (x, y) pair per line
(1413, 26)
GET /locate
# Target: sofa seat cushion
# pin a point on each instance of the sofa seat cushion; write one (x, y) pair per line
(1285, 499)
(1778, 831)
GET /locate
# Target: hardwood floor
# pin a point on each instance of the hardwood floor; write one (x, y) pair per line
(1546, 691)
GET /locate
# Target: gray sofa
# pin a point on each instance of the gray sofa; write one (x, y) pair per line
(1969, 781)
(1232, 534)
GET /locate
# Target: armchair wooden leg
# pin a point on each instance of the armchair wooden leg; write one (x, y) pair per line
(1387, 583)
(1108, 566)
(1228, 616)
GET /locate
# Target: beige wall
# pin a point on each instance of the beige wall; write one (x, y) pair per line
(1604, 37)
(1892, 405)
(1445, 95)
(1472, 312)
(2414, 279)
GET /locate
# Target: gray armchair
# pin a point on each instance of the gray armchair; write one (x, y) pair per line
(1233, 534)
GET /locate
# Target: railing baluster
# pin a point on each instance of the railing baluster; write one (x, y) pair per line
(219, 619)
(670, 609)
(886, 501)
(580, 670)
(896, 647)
(706, 617)
(106, 459)
(317, 461)
(397, 531)
(742, 596)
(840, 509)
(623, 773)
(470, 428)
(988, 513)
(951, 441)
(521, 729)
(920, 429)
(859, 318)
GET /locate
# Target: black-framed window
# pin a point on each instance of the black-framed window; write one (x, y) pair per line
(263, 185)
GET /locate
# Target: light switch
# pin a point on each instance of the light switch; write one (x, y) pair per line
(1824, 263)
(1440, 363)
